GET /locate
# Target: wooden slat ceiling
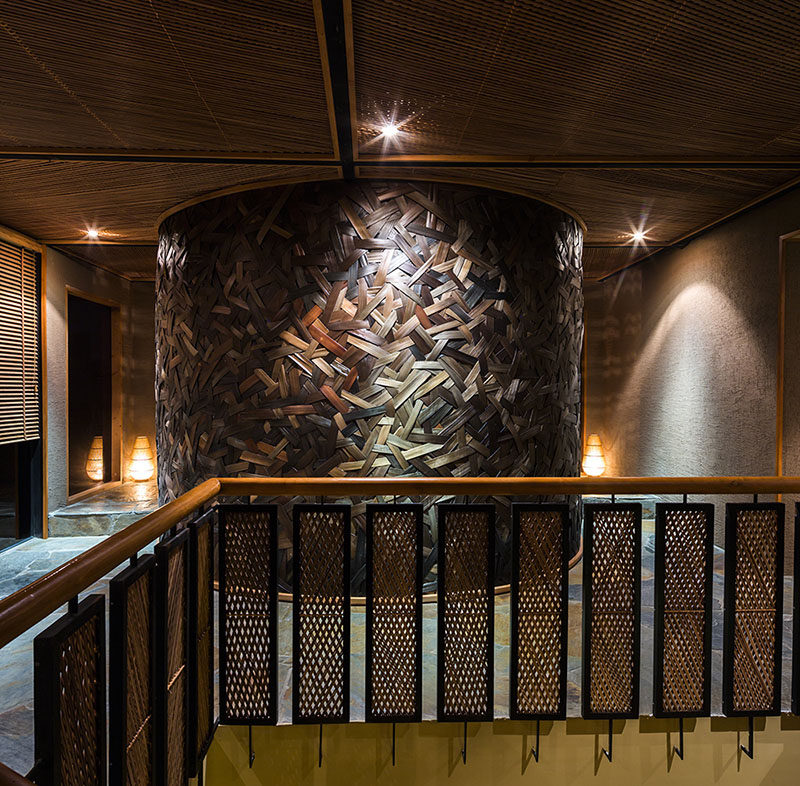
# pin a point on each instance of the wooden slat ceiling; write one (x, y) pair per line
(582, 82)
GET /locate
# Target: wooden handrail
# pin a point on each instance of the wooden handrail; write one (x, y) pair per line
(24, 608)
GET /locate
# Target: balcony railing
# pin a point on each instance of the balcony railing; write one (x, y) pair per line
(161, 684)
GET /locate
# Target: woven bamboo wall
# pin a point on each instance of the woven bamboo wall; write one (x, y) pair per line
(369, 328)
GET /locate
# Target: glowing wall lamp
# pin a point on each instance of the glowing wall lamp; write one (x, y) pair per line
(142, 464)
(94, 463)
(594, 461)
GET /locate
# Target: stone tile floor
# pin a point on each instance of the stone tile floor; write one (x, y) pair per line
(31, 559)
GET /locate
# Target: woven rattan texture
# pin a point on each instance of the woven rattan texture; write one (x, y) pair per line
(395, 624)
(138, 683)
(465, 659)
(82, 759)
(176, 667)
(685, 556)
(322, 605)
(755, 609)
(539, 612)
(612, 624)
(247, 634)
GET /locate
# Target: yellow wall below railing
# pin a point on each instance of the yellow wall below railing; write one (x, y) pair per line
(429, 753)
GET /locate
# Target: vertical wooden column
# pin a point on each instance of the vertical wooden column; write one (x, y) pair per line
(70, 697)
(539, 611)
(466, 613)
(132, 674)
(321, 651)
(684, 570)
(172, 693)
(611, 605)
(752, 638)
(248, 613)
(394, 613)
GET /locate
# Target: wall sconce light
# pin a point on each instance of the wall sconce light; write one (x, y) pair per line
(94, 462)
(594, 461)
(142, 466)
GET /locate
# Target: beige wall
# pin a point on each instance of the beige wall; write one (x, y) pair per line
(497, 753)
(136, 302)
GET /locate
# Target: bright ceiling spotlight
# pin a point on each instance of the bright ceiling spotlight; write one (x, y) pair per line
(390, 130)
(92, 234)
(638, 236)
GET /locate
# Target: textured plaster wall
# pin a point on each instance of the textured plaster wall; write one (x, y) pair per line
(683, 354)
(137, 303)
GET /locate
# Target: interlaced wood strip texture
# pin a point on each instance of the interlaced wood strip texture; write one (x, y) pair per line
(751, 680)
(394, 613)
(539, 606)
(131, 675)
(321, 651)
(172, 569)
(368, 328)
(248, 607)
(611, 603)
(466, 613)
(684, 563)
(70, 698)
(200, 728)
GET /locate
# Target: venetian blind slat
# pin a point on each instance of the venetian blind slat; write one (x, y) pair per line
(19, 345)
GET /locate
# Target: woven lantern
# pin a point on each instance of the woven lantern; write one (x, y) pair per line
(142, 464)
(594, 461)
(94, 463)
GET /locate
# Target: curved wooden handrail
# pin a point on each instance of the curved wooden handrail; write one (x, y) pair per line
(24, 608)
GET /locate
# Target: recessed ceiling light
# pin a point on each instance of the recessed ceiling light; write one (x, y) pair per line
(92, 234)
(638, 236)
(390, 130)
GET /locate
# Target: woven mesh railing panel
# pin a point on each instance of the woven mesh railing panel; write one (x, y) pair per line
(753, 609)
(248, 614)
(131, 722)
(539, 611)
(683, 594)
(172, 565)
(69, 697)
(611, 583)
(466, 612)
(796, 616)
(321, 657)
(394, 613)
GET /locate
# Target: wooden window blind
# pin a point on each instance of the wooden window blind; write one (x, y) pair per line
(20, 412)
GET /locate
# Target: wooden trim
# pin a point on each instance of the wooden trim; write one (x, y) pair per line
(44, 392)
(326, 75)
(116, 388)
(18, 239)
(710, 225)
(146, 155)
(779, 374)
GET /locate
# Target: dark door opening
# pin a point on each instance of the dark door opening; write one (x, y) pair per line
(93, 443)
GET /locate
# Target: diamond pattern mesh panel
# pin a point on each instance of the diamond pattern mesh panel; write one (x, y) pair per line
(394, 625)
(248, 597)
(753, 605)
(466, 612)
(685, 549)
(321, 684)
(611, 611)
(539, 612)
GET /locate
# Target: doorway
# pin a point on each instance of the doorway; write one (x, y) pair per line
(93, 395)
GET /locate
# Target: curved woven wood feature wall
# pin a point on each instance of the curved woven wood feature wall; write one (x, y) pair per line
(611, 605)
(321, 614)
(465, 655)
(539, 611)
(248, 613)
(69, 687)
(368, 328)
(131, 724)
(752, 636)
(171, 653)
(683, 594)
(393, 688)
(201, 715)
